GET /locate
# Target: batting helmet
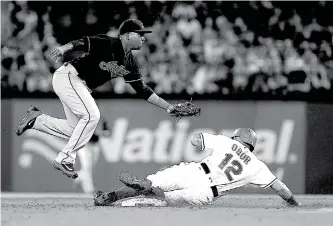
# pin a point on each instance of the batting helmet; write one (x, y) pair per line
(246, 135)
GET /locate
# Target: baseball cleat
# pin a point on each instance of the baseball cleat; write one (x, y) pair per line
(97, 194)
(104, 198)
(66, 168)
(28, 120)
(133, 182)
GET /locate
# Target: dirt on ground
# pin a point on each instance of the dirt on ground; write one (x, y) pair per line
(249, 210)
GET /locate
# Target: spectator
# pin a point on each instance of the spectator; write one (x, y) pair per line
(221, 48)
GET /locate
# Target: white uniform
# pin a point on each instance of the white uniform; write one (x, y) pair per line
(231, 165)
(82, 113)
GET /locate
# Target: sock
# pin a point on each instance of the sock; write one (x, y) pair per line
(158, 192)
(126, 192)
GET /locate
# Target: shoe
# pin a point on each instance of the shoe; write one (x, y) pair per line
(97, 194)
(104, 198)
(28, 120)
(133, 182)
(66, 168)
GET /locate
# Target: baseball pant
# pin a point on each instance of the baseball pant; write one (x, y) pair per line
(185, 183)
(82, 113)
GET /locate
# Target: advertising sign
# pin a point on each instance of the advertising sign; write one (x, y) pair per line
(143, 139)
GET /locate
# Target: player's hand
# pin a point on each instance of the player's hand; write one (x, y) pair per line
(185, 109)
(56, 54)
(170, 109)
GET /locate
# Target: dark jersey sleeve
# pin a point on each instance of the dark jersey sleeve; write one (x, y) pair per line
(132, 66)
(142, 89)
(95, 44)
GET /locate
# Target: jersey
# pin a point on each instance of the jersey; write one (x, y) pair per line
(105, 59)
(233, 165)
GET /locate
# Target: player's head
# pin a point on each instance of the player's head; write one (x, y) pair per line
(246, 136)
(132, 31)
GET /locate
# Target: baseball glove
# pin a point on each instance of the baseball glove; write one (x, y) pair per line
(180, 110)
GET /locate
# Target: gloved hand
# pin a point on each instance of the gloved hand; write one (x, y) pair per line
(186, 109)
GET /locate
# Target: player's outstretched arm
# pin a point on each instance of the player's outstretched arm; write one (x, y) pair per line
(177, 111)
(146, 93)
(284, 192)
(160, 102)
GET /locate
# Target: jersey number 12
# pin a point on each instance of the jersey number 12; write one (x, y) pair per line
(235, 169)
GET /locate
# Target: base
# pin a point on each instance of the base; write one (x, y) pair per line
(141, 201)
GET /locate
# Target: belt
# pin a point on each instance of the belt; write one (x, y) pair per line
(207, 171)
(72, 67)
(77, 74)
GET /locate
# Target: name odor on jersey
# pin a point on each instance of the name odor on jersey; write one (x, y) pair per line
(244, 157)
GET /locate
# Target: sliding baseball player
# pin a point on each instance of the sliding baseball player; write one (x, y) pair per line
(231, 165)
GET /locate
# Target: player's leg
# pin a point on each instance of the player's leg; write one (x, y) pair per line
(35, 119)
(134, 187)
(62, 128)
(130, 180)
(76, 96)
(175, 177)
(84, 106)
(108, 198)
(198, 195)
(178, 177)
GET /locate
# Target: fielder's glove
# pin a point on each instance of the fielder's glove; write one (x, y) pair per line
(180, 110)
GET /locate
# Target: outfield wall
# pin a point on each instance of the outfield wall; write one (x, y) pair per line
(144, 139)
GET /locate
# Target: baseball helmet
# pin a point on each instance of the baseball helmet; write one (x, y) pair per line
(246, 135)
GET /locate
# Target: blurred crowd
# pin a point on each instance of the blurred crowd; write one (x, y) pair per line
(252, 50)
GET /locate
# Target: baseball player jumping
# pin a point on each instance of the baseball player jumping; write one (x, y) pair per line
(105, 58)
(231, 165)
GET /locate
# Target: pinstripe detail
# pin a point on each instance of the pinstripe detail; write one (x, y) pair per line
(26, 114)
(88, 44)
(78, 148)
(51, 135)
(57, 131)
(202, 142)
(84, 107)
(219, 185)
(133, 80)
(270, 184)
